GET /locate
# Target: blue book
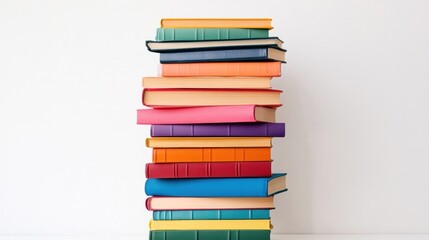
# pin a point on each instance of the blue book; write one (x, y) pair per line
(224, 214)
(217, 187)
(226, 55)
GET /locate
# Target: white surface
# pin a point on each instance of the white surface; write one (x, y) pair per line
(356, 84)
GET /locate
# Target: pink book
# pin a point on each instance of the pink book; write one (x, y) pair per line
(215, 114)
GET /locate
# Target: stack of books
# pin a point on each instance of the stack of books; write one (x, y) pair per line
(212, 112)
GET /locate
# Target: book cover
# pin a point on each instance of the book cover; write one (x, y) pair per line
(216, 187)
(191, 34)
(263, 23)
(222, 69)
(170, 98)
(225, 55)
(208, 142)
(211, 154)
(212, 114)
(219, 130)
(211, 214)
(208, 203)
(207, 82)
(210, 235)
(208, 170)
(257, 224)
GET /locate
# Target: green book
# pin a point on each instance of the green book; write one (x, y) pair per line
(241, 214)
(209, 235)
(192, 34)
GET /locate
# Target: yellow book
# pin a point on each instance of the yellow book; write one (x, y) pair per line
(208, 142)
(210, 225)
(261, 23)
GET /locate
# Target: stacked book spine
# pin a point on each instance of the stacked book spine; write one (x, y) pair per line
(212, 117)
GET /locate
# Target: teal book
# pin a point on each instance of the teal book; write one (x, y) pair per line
(190, 34)
(209, 235)
(242, 214)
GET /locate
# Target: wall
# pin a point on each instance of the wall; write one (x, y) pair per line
(355, 101)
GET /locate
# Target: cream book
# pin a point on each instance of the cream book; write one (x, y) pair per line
(207, 82)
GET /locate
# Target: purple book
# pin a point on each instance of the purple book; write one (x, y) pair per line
(219, 130)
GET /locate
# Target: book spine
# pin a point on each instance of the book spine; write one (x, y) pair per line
(220, 130)
(208, 170)
(194, 34)
(258, 224)
(186, 155)
(210, 235)
(225, 69)
(211, 214)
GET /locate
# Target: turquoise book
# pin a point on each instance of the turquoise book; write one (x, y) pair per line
(242, 214)
(209, 235)
(190, 34)
(217, 187)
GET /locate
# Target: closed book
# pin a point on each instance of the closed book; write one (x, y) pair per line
(217, 187)
(177, 46)
(258, 224)
(207, 82)
(190, 34)
(219, 130)
(209, 235)
(225, 55)
(264, 23)
(214, 114)
(222, 69)
(208, 170)
(208, 203)
(175, 97)
(211, 214)
(211, 154)
(208, 142)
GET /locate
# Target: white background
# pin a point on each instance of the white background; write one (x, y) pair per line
(356, 104)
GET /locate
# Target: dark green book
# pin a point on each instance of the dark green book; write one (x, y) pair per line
(239, 214)
(209, 235)
(189, 34)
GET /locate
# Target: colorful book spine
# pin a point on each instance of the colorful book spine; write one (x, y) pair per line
(192, 34)
(208, 170)
(212, 214)
(219, 130)
(216, 154)
(210, 235)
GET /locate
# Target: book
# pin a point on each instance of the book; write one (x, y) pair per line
(193, 34)
(217, 187)
(211, 154)
(222, 69)
(208, 203)
(225, 55)
(257, 224)
(208, 170)
(211, 214)
(158, 97)
(206, 82)
(207, 142)
(214, 114)
(177, 46)
(256, 129)
(264, 23)
(209, 235)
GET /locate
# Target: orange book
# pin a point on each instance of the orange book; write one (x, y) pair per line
(175, 155)
(222, 69)
(261, 23)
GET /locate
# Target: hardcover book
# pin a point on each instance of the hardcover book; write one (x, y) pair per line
(217, 187)
(219, 130)
(263, 23)
(208, 170)
(192, 34)
(208, 142)
(210, 235)
(258, 224)
(207, 82)
(213, 114)
(222, 69)
(157, 97)
(211, 154)
(208, 203)
(225, 55)
(211, 214)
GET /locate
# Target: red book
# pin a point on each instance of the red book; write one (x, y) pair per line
(208, 170)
